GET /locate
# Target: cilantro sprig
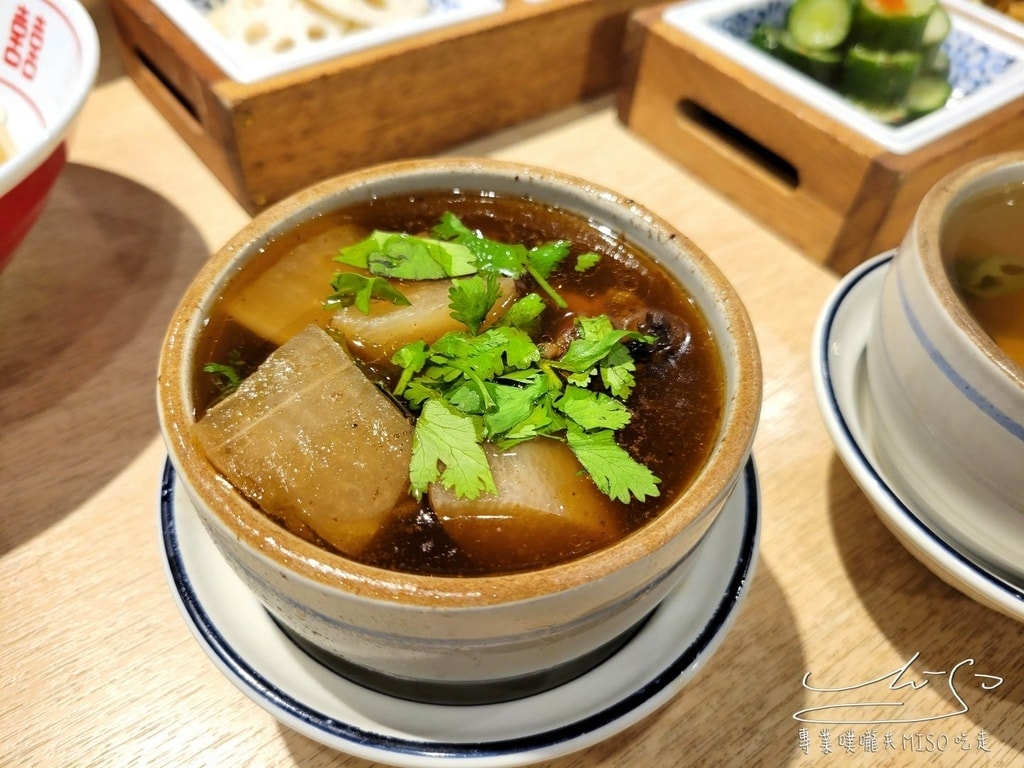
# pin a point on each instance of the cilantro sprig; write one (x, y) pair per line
(351, 288)
(495, 387)
(474, 387)
(408, 257)
(509, 259)
(228, 376)
(454, 251)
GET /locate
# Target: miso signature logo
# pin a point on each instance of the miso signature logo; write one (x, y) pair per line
(898, 688)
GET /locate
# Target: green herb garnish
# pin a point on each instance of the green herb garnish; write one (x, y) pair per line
(511, 260)
(496, 387)
(454, 251)
(472, 298)
(351, 288)
(407, 257)
(227, 376)
(450, 438)
(587, 260)
(613, 470)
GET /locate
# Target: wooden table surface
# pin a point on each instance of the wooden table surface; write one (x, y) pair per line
(98, 667)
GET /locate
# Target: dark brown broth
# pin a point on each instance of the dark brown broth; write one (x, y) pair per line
(677, 403)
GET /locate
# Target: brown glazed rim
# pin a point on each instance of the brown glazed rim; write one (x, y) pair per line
(933, 213)
(713, 484)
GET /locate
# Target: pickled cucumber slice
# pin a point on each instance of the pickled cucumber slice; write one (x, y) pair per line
(877, 76)
(890, 114)
(935, 33)
(766, 38)
(819, 24)
(890, 25)
(938, 27)
(822, 65)
(927, 94)
(937, 65)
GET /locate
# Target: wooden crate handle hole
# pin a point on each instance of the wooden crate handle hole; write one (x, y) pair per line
(749, 148)
(159, 79)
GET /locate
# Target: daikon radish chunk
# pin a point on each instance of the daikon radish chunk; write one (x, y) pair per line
(283, 299)
(388, 327)
(310, 440)
(545, 506)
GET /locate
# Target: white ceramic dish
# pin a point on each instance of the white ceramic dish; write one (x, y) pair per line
(51, 56)
(839, 342)
(243, 64)
(670, 649)
(950, 402)
(987, 69)
(39, 102)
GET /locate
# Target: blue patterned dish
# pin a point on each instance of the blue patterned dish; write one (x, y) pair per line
(986, 68)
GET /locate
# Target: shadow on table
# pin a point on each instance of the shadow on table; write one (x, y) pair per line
(893, 585)
(83, 310)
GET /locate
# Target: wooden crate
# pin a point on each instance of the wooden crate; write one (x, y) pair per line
(839, 196)
(412, 97)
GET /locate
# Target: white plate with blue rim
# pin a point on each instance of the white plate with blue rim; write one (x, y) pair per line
(838, 365)
(671, 647)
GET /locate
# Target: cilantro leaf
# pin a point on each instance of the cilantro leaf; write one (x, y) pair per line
(228, 377)
(495, 257)
(446, 448)
(543, 421)
(518, 348)
(597, 341)
(404, 256)
(480, 357)
(471, 299)
(352, 288)
(511, 260)
(524, 313)
(450, 227)
(474, 397)
(613, 470)
(505, 393)
(586, 261)
(411, 358)
(616, 371)
(545, 258)
(418, 392)
(514, 405)
(592, 410)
